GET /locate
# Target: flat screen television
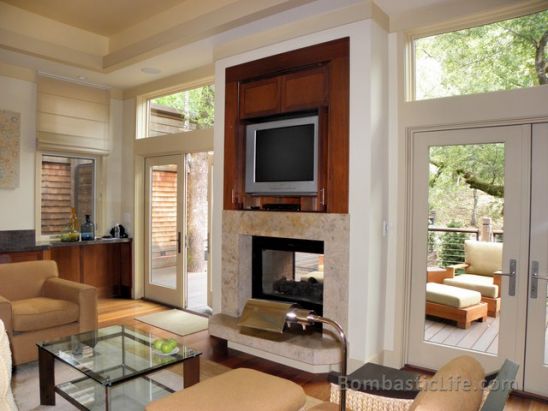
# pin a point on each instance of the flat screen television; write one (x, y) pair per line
(282, 157)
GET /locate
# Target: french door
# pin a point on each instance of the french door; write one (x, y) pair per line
(164, 254)
(466, 178)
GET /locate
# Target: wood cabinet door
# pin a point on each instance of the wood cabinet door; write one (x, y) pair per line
(260, 98)
(304, 89)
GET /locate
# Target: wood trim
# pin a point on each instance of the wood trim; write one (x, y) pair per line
(338, 130)
(232, 147)
(290, 61)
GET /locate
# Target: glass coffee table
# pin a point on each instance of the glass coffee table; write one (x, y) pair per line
(116, 363)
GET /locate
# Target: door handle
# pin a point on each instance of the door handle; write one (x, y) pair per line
(534, 279)
(179, 242)
(512, 276)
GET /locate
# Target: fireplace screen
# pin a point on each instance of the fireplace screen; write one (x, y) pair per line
(289, 270)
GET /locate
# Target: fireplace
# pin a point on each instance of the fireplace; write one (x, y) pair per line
(287, 269)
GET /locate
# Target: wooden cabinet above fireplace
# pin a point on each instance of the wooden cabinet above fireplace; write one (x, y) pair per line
(312, 80)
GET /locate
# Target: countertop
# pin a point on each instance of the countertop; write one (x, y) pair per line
(39, 246)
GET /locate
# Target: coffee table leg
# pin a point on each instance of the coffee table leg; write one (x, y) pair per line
(191, 371)
(46, 377)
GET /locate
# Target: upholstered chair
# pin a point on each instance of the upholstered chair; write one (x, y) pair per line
(6, 397)
(482, 261)
(37, 305)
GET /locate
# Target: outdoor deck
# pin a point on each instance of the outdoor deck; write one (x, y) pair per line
(481, 337)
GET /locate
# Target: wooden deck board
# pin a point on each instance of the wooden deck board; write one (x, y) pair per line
(479, 337)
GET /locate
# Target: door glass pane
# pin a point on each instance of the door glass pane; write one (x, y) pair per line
(197, 214)
(465, 234)
(163, 230)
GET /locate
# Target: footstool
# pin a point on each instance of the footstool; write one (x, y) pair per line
(454, 303)
(241, 389)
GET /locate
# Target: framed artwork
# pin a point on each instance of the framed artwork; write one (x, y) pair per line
(10, 135)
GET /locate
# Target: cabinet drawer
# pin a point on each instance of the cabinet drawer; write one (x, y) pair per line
(306, 89)
(259, 98)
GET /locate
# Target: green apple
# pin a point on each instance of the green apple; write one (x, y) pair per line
(157, 344)
(167, 347)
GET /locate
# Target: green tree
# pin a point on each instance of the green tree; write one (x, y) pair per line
(452, 246)
(500, 56)
(467, 183)
(196, 105)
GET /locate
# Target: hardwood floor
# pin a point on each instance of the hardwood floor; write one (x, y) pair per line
(118, 311)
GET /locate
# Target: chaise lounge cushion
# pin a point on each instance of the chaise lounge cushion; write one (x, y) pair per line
(451, 296)
(241, 389)
(39, 313)
(480, 283)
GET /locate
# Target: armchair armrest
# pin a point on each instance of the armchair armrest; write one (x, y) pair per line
(456, 267)
(82, 294)
(5, 314)
(497, 280)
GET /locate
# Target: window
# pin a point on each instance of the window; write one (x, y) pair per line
(66, 183)
(504, 55)
(182, 111)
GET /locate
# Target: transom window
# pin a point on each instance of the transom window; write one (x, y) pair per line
(504, 55)
(182, 111)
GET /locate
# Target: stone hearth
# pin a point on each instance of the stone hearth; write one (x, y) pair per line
(238, 229)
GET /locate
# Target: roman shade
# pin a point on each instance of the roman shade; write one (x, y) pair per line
(72, 117)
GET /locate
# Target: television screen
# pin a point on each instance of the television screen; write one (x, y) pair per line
(285, 154)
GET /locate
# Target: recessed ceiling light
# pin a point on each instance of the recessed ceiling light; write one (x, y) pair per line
(151, 70)
(82, 78)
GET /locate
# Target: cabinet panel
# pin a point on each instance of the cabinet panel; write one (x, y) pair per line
(98, 268)
(20, 256)
(68, 262)
(259, 98)
(304, 89)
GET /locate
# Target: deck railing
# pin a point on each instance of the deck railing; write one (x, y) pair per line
(446, 244)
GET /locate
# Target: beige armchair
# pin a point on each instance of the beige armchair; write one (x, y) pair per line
(482, 260)
(36, 305)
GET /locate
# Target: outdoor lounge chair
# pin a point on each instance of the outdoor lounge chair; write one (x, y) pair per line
(482, 261)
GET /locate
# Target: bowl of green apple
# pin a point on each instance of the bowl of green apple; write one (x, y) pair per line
(162, 346)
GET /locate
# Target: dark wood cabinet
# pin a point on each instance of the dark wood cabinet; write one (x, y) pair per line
(310, 80)
(260, 98)
(306, 89)
(105, 265)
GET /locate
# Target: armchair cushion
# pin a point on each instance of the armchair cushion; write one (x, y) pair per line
(479, 283)
(482, 257)
(39, 313)
(85, 296)
(25, 280)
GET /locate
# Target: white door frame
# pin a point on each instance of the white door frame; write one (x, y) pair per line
(170, 296)
(433, 355)
(536, 365)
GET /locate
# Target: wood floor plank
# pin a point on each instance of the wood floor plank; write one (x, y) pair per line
(118, 311)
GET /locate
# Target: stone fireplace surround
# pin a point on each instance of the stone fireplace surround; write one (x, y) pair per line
(311, 352)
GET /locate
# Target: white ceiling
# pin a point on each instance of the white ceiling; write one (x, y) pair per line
(109, 17)
(104, 17)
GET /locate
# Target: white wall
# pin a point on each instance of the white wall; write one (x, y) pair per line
(17, 205)
(367, 202)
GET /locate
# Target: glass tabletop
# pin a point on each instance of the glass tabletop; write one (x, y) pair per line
(115, 354)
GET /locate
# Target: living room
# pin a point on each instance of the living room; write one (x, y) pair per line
(372, 206)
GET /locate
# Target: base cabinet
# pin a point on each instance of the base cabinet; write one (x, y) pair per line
(106, 266)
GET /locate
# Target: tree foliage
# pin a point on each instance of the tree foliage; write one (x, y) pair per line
(196, 105)
(466, 182)
(500, 56)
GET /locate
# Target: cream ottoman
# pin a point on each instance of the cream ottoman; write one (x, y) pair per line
(6, 397)
(241, 389)
(454, 303)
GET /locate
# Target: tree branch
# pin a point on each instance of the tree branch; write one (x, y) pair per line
(541, 65)
(492, 189)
